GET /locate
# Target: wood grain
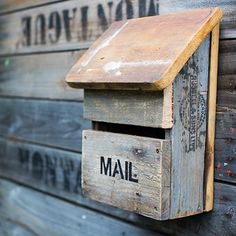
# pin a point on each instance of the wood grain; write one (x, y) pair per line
(125, 171)
(68, 25)
(51, 216)
(210, 135)
(89, 20)
(39, 76)
(188, 135)
(15, 5)
(111, 64)
(57, 124)
(60, 124)
(42, 75)
(128, 107)
(227, 59)
(228, 29)
(219, 220)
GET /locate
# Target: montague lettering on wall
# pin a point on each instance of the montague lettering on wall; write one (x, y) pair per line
(83, 22)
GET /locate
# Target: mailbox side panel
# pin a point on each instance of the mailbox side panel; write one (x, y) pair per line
(189, 134)
(127, 171)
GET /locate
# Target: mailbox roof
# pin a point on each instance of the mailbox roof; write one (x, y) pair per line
(144, 53)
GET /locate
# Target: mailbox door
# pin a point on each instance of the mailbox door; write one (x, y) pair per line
(130, 172)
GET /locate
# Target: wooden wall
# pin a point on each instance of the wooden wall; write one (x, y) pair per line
(41, 120)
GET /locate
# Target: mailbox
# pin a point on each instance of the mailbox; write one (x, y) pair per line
(150, 92)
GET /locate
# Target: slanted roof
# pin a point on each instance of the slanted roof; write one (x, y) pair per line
(143, 53)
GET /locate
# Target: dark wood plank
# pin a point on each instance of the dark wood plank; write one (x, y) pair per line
(227, 59)
(58, 124)
(225, 160)
(39, 76)
(226, 124)
(227, 82)
(228, 29)
(226, 98)
(14, 5)
(27, 212)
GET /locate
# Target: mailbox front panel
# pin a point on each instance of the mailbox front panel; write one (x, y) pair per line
(126, 171)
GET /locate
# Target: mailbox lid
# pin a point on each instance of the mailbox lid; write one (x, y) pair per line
(126, 171)
(145, 53)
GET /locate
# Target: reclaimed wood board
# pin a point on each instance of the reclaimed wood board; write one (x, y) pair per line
(60, 124)
(226, 124)
(143, 108)
(227, 59)
(188, 135)
(22, 171)
(129, 172)
(225, 160)
(51, 216)
(111, 63)
(228, 29)
(219, 222)
(57, 124)
(68, 25)
(7, 6)
(39, 76)
(31, 31)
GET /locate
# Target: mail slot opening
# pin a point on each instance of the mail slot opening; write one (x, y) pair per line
(130, 129)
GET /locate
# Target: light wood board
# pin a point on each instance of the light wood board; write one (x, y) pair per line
(123, 57)
(129, 172)
(143, 108)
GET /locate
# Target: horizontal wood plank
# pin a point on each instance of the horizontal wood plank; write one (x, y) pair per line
(39, 76)
(227, 59)
(58, 172)
(226, 98)
(14, 5)
(43, 75)
(228, 29)
(66, 25)
(76, 24)
(27, 212)
(225, 160)
(140, 184)
(226, 124)
(145, 108)
(58, 124)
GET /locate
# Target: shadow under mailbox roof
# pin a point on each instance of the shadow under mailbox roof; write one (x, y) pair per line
(144, 53)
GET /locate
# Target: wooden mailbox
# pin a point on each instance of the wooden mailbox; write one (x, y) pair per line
(150, 91)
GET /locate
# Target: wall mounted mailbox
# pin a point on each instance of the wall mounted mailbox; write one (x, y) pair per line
(150, 91)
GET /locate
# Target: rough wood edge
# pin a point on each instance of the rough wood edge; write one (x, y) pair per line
(210, 140)
(165, 180)
(181, 59)
(167, 116)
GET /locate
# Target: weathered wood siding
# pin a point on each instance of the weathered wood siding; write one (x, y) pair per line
(41, 121)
